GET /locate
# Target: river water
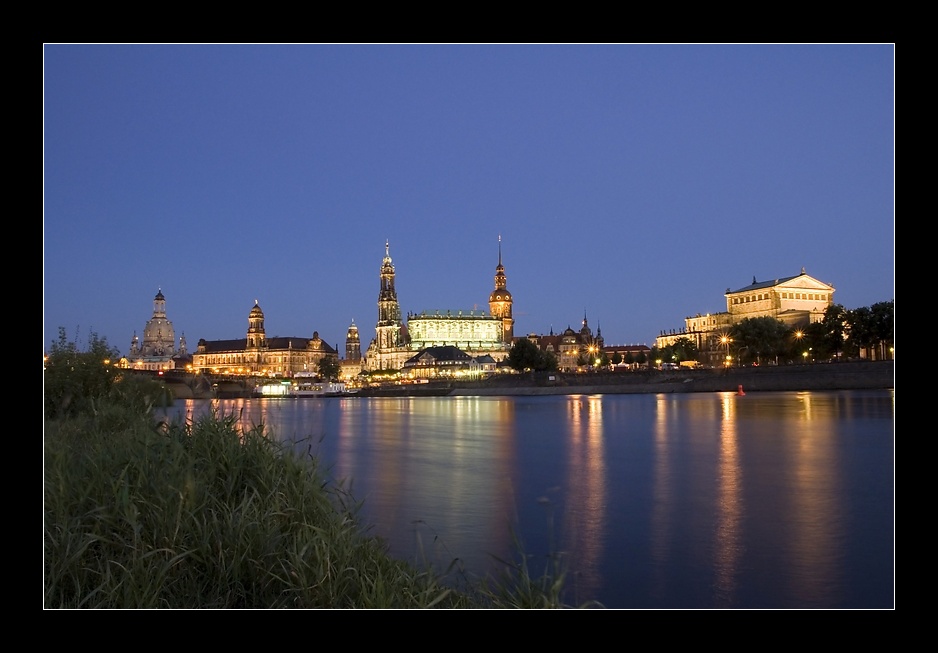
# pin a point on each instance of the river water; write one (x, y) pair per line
(769, 500)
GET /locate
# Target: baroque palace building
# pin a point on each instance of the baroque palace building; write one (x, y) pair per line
(471, 331)
(797, 301)
(258, 355)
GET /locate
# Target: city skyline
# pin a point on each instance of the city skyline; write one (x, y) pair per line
(631, 183)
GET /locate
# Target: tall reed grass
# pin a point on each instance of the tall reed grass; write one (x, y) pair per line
(207, 515)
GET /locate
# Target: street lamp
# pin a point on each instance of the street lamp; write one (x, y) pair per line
(725, 341)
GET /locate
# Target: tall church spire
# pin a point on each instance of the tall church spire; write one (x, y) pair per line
(500, 300)
(389, 310)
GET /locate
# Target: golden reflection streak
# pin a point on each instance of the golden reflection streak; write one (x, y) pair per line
(815, 512)
(457, 454)
(661, 526)
(585, 513)
(728, 539)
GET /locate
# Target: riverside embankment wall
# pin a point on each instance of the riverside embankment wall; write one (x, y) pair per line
(854, 375)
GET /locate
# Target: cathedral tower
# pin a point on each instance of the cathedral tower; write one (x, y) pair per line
(500, 300)
(353, 348)
(257, 339)
(389, 310)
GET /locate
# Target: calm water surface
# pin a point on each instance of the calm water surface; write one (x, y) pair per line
(703, 500)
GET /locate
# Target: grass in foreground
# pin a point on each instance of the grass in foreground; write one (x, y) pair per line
(205, 515)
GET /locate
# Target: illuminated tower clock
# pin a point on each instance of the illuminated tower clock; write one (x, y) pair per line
(500, 300)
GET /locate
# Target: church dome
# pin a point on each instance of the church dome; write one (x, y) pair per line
(501, 295)
(256, 311)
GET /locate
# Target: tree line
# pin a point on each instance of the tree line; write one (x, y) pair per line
(865, 332)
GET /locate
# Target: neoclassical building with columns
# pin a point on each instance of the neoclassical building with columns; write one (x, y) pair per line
(796, 301)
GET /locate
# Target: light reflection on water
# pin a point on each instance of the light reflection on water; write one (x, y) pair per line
(709, 500)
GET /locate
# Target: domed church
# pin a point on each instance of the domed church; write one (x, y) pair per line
(157, 351)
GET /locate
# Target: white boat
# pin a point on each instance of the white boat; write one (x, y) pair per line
(302, 385)
(305, 388)
(307, 384)
(273, 389)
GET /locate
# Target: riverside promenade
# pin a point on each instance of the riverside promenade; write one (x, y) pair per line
(851, 375)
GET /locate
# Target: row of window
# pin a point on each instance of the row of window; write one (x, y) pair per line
(785, 295)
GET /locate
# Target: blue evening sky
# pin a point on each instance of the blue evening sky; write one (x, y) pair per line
(632, 183)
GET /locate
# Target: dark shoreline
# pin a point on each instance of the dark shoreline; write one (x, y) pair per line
(852, 375)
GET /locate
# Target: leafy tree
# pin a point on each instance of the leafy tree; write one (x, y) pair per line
(548, 361)
(862, 329)
(835, 329)
(329, 368)
(759, 338)
(616, 358)
(820, 346)
(872, 328)
(884, 325)
(684, 349)
(525, 355)
(73, 380)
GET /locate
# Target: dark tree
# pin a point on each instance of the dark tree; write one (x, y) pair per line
(74, 380)
(759, 339)
(525, 355)
(329, 368)
(684, 349)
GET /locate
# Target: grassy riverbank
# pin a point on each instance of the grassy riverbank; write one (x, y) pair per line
(205, 515)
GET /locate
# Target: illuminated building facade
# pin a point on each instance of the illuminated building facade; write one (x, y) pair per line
(468, 330)
(500, 300)
(472, 331)
(258, 355)
(797, 301)
(352, 365)
(391, 345)
(447, 362)
(572, 349)
(157, 352)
